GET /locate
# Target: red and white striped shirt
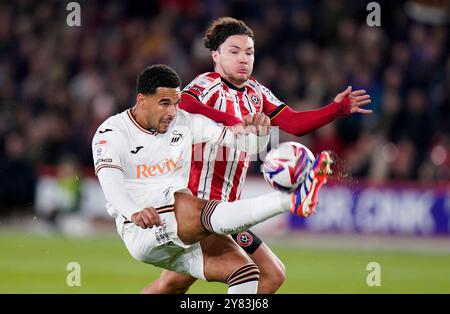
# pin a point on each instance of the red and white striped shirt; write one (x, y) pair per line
(217, 172)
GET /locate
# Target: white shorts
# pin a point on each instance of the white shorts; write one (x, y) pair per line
(161, 247)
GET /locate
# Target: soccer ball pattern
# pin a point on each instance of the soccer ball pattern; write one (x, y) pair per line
(286, 166)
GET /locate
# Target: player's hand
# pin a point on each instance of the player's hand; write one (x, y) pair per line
(147, 218)
(238, 129)
(262, 123)
(257, 123)
(354, 100)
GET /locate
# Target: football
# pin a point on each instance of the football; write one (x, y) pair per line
(287, 165)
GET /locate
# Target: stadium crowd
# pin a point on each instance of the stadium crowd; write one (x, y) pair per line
(58, 83)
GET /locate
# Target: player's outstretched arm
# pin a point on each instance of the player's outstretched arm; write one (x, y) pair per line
(192, 105)
(300, 123)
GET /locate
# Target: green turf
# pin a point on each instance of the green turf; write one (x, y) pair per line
(33, 264)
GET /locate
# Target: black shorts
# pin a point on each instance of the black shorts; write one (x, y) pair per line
(247, 240)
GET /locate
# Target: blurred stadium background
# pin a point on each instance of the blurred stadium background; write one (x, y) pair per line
(390, 202)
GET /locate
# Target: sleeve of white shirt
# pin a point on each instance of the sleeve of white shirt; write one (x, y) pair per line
(206, 130)
(107, 150)
(112, 183)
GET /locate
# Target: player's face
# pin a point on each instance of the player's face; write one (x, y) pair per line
(161, 108)
(234, 59)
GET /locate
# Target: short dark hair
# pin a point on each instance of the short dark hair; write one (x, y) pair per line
(158, 75)
(222, 28)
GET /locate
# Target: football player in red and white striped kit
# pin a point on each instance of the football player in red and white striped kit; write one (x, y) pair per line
(226, 96)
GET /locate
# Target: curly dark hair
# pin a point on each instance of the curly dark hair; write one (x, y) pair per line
(222, 28)
(158, 75)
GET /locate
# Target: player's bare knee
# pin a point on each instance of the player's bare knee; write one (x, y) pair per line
(173, 287)
(278, 276)
(175, 283)
(272, 279)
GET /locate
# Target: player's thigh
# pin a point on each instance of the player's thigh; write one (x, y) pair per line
(221, 257)
(174, 280)
(259, 252)
(187, 211)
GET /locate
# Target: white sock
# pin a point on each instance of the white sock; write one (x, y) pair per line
(250, 287)
(244, 280)
(234, 217)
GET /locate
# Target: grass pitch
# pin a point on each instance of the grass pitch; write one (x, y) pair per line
(37, 264)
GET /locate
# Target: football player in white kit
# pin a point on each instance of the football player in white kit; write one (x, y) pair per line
(142, 160)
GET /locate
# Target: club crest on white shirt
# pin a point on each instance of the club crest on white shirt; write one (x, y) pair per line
(176, 139)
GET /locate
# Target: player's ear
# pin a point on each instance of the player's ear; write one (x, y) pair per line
(214, 55)
(140, 99)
